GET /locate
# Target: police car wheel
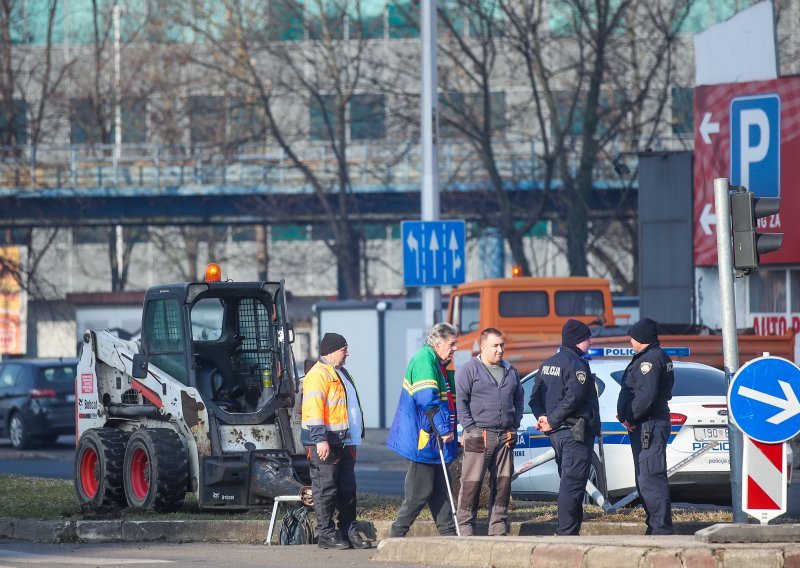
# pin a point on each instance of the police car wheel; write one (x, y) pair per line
(598, 479)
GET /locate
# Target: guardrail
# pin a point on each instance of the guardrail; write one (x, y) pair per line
(376, 166)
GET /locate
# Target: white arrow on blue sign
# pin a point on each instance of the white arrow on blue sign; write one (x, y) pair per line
(433, 253)
(763, 399)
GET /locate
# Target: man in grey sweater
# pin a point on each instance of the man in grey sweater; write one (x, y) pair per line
(489, 402)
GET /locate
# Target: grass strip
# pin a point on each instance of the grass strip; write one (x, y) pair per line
(38, 498)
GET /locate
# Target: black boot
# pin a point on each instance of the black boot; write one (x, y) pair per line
(334, 543)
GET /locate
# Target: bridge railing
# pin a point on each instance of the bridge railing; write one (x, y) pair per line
(373, 166)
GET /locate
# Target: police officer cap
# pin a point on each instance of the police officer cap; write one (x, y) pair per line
(574, 332)
(644, 331)
(331, 342)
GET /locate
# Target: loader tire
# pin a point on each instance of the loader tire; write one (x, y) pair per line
(156, 470)
(99, 460)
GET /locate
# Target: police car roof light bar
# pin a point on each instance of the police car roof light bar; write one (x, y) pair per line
(628, 351)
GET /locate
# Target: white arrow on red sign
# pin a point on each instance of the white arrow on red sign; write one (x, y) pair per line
(707, 218)
(707, 128)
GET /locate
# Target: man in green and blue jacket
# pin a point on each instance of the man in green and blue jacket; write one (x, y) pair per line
(428, 391)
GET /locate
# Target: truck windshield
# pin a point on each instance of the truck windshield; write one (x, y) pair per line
(523, 304)
(579, 303)
(467, 312)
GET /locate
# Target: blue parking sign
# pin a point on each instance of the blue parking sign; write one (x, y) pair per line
(756, 144)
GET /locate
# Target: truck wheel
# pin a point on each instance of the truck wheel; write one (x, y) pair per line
(156, 470)
(98, 467)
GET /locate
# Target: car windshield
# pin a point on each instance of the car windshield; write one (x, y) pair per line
(693, 381)
(56, 375)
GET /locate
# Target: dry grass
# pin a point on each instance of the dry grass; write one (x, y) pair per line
(37, 498)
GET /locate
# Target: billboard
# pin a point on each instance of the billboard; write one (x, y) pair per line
(749, 133)
(12, 303)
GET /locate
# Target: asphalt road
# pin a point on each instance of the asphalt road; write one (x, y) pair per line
(378, 470)
(195, 554)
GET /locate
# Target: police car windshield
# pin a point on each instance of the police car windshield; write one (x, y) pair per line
(693, 382)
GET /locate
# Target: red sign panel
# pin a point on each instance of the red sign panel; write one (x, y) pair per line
(764, 479)
(750, 134)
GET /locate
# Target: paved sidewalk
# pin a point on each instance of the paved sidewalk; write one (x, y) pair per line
(587, 552)
(612, 545)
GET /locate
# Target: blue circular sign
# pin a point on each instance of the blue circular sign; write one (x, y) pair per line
(763, 399)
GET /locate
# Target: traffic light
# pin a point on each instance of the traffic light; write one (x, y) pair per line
(749, 245)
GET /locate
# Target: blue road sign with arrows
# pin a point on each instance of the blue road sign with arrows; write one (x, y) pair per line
(433, 253)
(763, 399)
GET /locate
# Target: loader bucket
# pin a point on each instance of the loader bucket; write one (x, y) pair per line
(272, 477)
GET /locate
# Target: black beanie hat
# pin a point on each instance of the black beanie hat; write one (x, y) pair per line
(331, 342)
(644, 331)
(574, 332)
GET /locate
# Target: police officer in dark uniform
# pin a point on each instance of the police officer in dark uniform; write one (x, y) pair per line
(642, 408)
(565, 401)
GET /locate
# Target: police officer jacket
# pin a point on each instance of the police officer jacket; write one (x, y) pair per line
(565, 388)
(646, 386)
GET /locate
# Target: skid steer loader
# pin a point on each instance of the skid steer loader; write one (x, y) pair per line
(201, 403)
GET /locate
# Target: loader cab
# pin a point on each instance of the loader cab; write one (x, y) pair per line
(229, 340)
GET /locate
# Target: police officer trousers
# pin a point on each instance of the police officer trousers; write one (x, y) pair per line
(650, 465)
(574, 460)
(333, 487)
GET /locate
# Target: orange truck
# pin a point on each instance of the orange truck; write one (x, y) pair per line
(531, 312)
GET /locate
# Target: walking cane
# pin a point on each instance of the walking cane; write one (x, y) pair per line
(430, 414)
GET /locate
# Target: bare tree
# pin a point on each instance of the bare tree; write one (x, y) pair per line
(615, 61)
(301, 96)
(586, 79)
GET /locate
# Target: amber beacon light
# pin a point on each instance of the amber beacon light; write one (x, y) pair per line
(516, 270)
(213, 272)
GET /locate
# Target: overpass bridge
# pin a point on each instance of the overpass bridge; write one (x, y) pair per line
(157, 185)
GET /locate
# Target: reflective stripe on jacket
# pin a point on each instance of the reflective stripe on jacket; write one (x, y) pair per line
(426, 386)
(324, 415)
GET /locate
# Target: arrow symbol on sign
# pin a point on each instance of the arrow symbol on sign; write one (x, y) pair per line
(453, 246)
(707, 127)
(790, 404)
(707, 218)
(413, 245)
(434, 247)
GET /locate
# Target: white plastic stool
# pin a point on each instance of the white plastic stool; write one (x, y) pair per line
(277, 501)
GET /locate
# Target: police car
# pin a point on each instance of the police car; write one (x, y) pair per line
(699, 417)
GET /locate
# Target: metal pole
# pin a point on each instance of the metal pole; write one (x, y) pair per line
(120, 251)
(429, 114)
(730, 345)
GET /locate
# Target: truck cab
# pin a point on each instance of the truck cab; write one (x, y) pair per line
(526, 308)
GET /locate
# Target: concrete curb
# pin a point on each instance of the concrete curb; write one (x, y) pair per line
(255, 531)
(583, 552)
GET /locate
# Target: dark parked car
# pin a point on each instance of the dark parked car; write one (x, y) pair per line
(37, 400)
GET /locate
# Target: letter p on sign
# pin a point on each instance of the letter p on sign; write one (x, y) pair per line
(756, 144)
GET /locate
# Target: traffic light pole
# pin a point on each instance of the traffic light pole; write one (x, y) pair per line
(730, 341)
